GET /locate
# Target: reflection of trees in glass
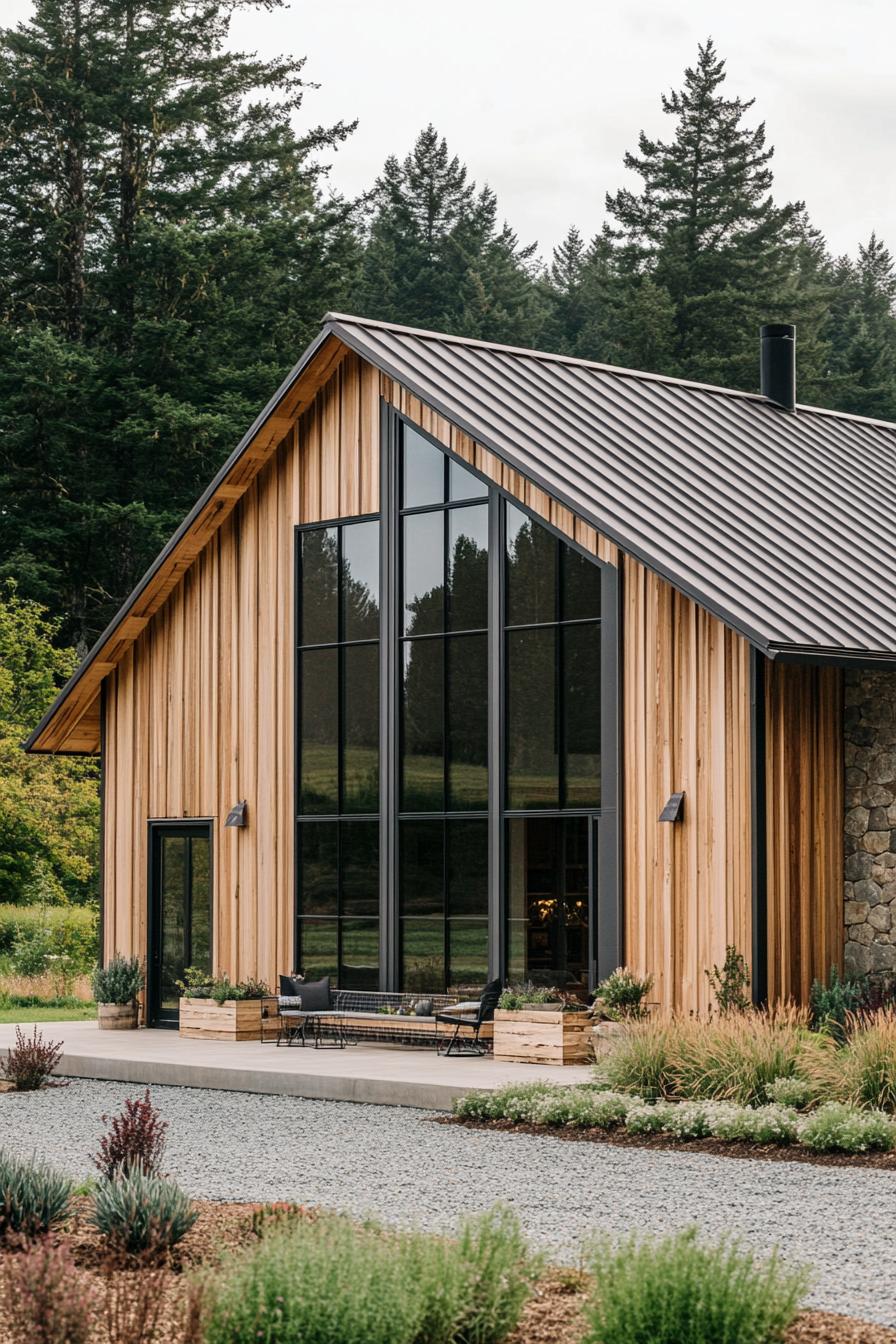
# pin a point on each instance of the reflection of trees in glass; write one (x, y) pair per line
(468, 582)
(423, 762)
(320, 586)
(532, 747)
(360, 581)
(531, 570)
(201, 905)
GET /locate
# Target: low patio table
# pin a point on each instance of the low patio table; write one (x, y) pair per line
(294, 1025)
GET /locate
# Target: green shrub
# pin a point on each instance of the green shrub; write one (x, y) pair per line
(621, 996)
(33, 1197)
(797, 1093)
(492, 1248)
(831, 1004)
(118, 982)
(835, 1127)
(674, 1290)
(731, 984)
(142, 1215)
(68, 932)
(639, 1062)
(333, 1280)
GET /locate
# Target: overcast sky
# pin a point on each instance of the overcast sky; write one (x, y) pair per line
(541, 100)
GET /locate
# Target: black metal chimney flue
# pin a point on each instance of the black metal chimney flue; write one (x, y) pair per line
(777, 363)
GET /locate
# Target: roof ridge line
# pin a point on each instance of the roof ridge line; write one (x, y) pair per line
(546, 356)
(549, 357)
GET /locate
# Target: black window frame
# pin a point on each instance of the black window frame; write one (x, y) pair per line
(340, 817)
(605, 912)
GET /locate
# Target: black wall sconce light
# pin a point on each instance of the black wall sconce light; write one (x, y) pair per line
(674, 809)
(237, 815)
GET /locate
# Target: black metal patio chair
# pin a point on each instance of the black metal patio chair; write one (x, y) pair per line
(472, 1015)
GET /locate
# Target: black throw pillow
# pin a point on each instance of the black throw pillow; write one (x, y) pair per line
(290, 986)
(315, 995)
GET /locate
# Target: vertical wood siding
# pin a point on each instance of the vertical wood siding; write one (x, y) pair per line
(200, 715)
(686, 726)
(804, 823)
(200, 710)
(685, 720)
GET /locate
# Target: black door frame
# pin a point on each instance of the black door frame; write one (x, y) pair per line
(189, 827)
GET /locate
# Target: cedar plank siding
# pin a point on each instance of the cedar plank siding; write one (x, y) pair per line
(200, 714)
(685, 724)
(804, 821)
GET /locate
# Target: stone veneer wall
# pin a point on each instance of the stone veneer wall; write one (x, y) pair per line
(869, 826)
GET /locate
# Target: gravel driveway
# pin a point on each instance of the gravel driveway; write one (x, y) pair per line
(398, 1165)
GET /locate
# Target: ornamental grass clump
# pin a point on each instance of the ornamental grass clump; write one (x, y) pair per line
(333, 1280)
(33, 1198)
(863, 1072)
(736, 1057)
(835, 1127)
(664, 1292)
(731, 1058)
(639, 1062)
(142, 1216)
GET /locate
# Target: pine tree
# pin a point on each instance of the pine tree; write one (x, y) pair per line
(436, 256)
(706, 230)
(862, 332)
(167, 249)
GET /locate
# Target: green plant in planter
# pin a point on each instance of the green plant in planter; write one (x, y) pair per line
(198, 984)
(621, 996)
(119, 982)
(528, 996)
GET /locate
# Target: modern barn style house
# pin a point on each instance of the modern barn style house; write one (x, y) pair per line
(478, 661)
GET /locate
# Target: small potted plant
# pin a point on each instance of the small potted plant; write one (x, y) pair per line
(619, 1003)
(115, 988)
(216, 1008)
(534, 1025)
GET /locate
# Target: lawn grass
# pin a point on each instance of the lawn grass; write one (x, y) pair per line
(42, 1013)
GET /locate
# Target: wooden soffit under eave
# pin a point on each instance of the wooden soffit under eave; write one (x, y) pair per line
(69, 724)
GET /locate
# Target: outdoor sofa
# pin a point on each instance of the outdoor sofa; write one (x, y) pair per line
(310, 1012)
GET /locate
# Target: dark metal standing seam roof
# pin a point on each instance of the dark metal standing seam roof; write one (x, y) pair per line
(782, 524)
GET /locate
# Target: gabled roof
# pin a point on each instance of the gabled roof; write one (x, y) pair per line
(781, 524)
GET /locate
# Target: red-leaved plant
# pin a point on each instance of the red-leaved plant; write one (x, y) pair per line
(46, 1299)
(31, 1061)
(135, 1138)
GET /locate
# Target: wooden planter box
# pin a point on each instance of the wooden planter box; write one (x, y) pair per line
(117, 1016)
(233, 1020)
(540, 1036)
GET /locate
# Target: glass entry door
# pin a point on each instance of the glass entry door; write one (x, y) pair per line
(548, 901)
(180, 912)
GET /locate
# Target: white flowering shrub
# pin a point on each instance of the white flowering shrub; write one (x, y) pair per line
(644, 1118)
(747, 1124)
(836, 1127)
(688, 1120)
(792, 1092)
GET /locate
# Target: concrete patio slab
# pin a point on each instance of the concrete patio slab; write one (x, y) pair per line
(381, 1074)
